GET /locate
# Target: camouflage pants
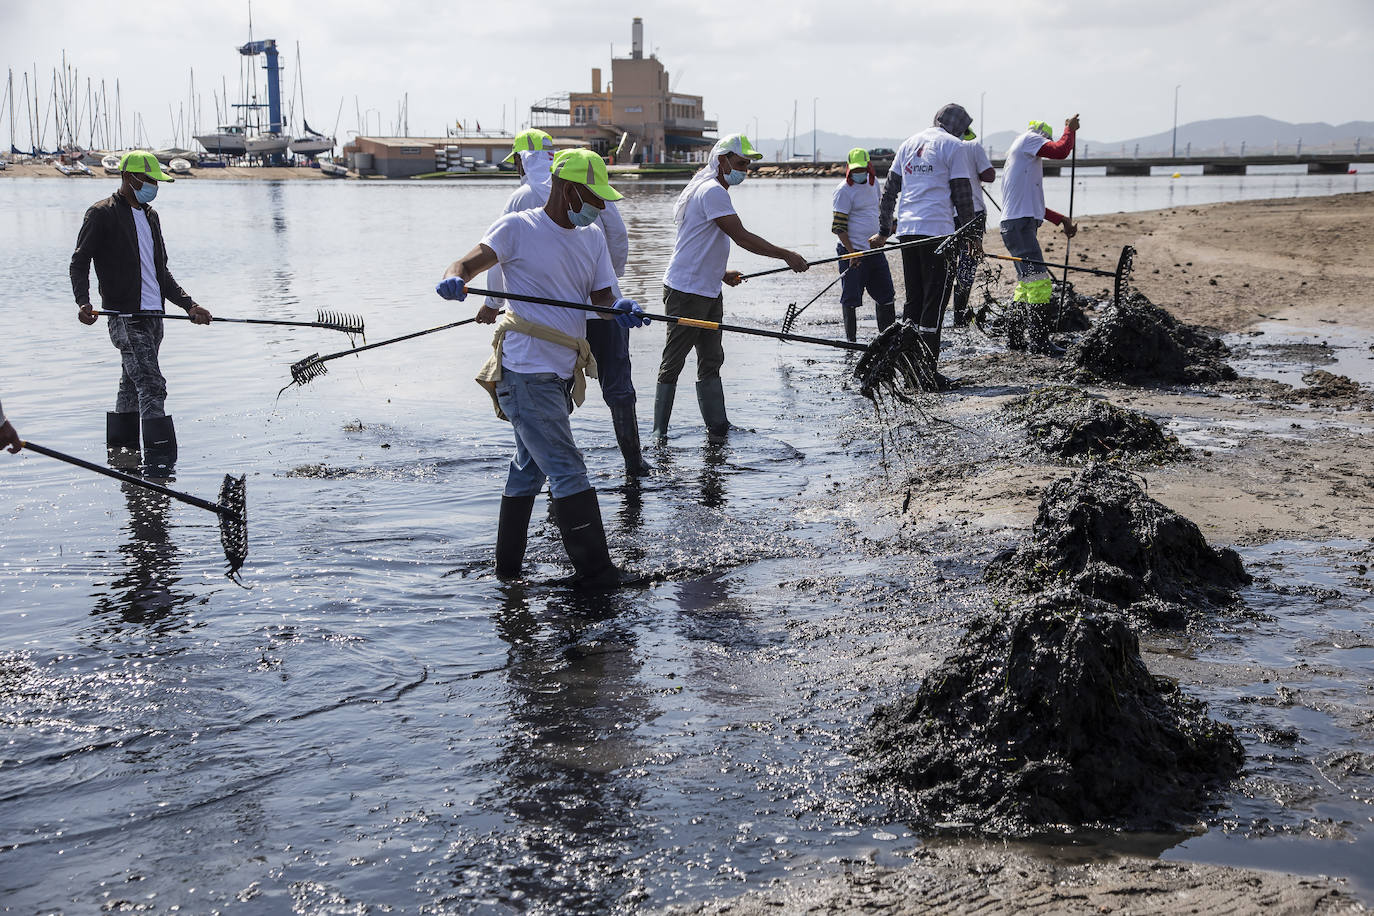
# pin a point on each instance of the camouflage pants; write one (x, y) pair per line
(142, 389)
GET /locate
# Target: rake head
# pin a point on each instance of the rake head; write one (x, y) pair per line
(339, 321)
(308, 369)
(1124, 265)
(233, 521)
(789, 319)
(896, 362)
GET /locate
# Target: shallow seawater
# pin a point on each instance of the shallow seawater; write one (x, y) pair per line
(375, 721)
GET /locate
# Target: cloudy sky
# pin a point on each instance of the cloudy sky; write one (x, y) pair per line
(869, 69)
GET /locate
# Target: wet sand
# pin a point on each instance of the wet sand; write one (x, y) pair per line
(1269, 462)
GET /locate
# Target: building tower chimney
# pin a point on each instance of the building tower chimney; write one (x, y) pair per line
(637, 39)
(596, 80)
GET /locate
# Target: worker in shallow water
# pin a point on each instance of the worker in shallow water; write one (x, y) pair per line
(854, 220)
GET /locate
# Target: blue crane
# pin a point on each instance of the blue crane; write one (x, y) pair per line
(268, 46)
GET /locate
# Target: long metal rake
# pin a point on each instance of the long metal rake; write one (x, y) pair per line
(324, 318)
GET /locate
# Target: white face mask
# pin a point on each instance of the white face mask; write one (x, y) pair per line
(860, 177)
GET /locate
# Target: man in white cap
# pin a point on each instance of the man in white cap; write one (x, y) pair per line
(123, 236)
(706, 225)
(534, 158)
(537, 371)
(855, 220)
(928, 188)
(1023, 210)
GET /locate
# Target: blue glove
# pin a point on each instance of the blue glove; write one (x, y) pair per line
(631, 315)
(452, 288)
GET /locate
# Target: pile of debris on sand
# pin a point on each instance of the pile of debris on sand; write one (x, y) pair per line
(1067, 423)
(1101, 534)
(1046, 716)
(1326, 387)
(1138, 342)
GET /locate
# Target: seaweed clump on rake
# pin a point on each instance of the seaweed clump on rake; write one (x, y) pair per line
(1067, 423)
(1137, 341)
(1045, 716)
(896, 362)
(1100, 534)
(233, 522)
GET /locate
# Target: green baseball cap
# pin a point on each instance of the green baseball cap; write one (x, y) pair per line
(969, 135)
(858, 158)
(142, 162)
(1042, 128)
(527, 140)
(738, 144)
(584, 167)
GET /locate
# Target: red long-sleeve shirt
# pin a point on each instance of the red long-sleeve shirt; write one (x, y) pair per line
(1058, 149)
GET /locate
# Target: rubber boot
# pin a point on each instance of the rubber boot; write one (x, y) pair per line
(961, 312)
(159, 446)
(584, 538)
(851, 324)
(1038, 331)
(711, 398)
(626, 425)
(663, 409)
(121, 431)
(886, 313)
(512, 531)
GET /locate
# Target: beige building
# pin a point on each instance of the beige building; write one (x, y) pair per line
(402, 157)
(636, 116)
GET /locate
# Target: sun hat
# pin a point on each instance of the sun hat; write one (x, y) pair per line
(142, 162)
(528, 141)
(955, 119)
(1042, 128)
(738, 144)
(858, 158)
(584, 167)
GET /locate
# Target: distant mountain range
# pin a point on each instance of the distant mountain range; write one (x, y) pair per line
(1257, 133)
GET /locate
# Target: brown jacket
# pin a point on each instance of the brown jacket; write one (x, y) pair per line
(109, 238)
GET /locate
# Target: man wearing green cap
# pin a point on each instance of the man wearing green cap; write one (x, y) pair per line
(541, 356)
(855, 207)
(706, 225)
(123, 236)
(1023, 210)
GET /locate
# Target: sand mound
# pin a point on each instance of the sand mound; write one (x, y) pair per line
(1139, 342)
(1048, 716)
(1099, 533)
(1067, 423)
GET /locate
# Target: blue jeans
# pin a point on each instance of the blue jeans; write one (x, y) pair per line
(1018, 235)
(871, 273)
(538, 409)
(610, 345)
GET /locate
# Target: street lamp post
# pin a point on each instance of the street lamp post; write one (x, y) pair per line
(813, 129)
(1173, 148)
(981, 96)
(755, 138)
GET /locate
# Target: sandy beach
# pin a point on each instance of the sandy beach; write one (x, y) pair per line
(1297, 466)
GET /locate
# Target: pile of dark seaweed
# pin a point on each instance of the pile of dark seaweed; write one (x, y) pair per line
(1137, 341)
(1099, 533)
(1046, 716)
(1067, 423)
(896, 362)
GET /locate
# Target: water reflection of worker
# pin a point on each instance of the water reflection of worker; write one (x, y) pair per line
(533, 157)
(927, 194)
(145, 593)
(9, 438)
(706, 225)
(855, 220)
(980, 170)
(537, 372)
(1023, 210)
(123, 236)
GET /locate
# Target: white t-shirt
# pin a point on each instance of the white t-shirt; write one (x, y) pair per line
(702, 250)
(150, 295)
(525, 197)
(927, 162)
(860, 203)
(1023, 179)
(540, 258)
(978, 163)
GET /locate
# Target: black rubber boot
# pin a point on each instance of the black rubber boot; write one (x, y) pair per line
(961, 312)
(886, 313)
(851, 323)
(159, 446)
(1038, 331)
(512, 531)
(584, 538)
(711, 398)
(663, 408)
(121, 431)
(626, 424)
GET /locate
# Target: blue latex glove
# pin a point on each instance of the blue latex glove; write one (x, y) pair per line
(631, 315)
(452, 288)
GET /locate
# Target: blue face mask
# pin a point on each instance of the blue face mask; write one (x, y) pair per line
(584, 216)
(860, 177)
(735, 176)
(146, 192)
